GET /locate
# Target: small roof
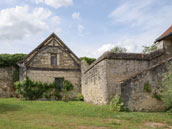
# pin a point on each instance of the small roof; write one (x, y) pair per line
(53, 36)
(167, 33)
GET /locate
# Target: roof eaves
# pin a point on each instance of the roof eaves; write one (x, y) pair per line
(161, 38)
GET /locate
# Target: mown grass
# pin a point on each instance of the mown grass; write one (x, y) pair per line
(17, 114)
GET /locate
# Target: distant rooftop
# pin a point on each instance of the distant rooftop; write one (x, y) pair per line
(167, 34)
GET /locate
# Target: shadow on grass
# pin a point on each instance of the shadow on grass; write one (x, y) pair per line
(9, 107)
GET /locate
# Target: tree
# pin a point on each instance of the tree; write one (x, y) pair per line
(118, 50)
(147, 49)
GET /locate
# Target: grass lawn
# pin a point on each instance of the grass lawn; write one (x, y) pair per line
(16, 114)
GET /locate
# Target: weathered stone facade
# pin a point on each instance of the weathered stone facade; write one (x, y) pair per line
(134, 95)
(6, 82)
(125, 74)
(38, 66)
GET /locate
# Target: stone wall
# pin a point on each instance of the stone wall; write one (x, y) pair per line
(118, 70)
(134, 94)
(39, 67)
(49, 77)
(43, 58)
(102, 80)
(6, 82)
(94, 84)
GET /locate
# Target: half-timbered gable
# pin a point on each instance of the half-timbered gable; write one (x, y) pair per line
(51, 60)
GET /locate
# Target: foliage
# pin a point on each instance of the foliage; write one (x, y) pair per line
(116, 104)
(10, 59)
(32, 90)
(147, 49)
(147, 87)
(67, 85)
(88, 60)
(118, 50)
(167, 87)
(15, 74)
(157, 96)
(80, 97)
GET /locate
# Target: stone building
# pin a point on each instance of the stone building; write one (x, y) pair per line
(127, 74)
(52, 61)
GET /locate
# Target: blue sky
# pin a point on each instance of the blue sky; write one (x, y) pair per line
(88, 27)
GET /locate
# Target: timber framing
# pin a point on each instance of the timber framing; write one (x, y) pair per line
(53, 69)
(53, 38)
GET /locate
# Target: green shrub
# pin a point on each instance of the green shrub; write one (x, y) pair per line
(67, 85)
(32, 90)
(147, 87)
(157, 96)
(116, 104)
(88, 60)
(147, 49)
(167, 87)
(10, 59)
(118, 50)
(80, 97)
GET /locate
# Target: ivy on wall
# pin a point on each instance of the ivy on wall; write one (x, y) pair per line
(7, 60)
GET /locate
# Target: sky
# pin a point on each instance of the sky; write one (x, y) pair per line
(87, 27)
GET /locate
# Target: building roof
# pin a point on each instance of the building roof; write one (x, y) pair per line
(167, 33)
(52, 37)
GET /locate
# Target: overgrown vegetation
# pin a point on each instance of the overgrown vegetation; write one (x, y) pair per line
(118, 50)
(7, 60)
(147, 87)
(88, 60)
(80, 97)
(32, 90)
(167, 87)
(157, 96)
(116, 104)
(148, 49)
(10, 59)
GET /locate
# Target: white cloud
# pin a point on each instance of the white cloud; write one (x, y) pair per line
(55, 3)
(80, 28)
(76, 15)
(142, 14)
(20, 22)
(105, 47)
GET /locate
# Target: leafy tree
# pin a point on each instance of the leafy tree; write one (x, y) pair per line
(167, 88)
(147, 49)
(88, 60)
(10, 59)
(118, 50)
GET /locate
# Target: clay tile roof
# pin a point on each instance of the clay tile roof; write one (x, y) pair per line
(166, 33)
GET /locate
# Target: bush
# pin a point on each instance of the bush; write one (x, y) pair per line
(10, 59)
(116, 104)
(167, 87)
(32, 90)
(118, 50)
(147, 49)
(80, 97)
(88, 60)
(147, 87)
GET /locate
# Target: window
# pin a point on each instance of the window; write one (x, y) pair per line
(54, 59)
(59, 83)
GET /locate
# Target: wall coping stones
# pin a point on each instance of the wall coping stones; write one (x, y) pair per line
(126, 56)
(145, 70)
